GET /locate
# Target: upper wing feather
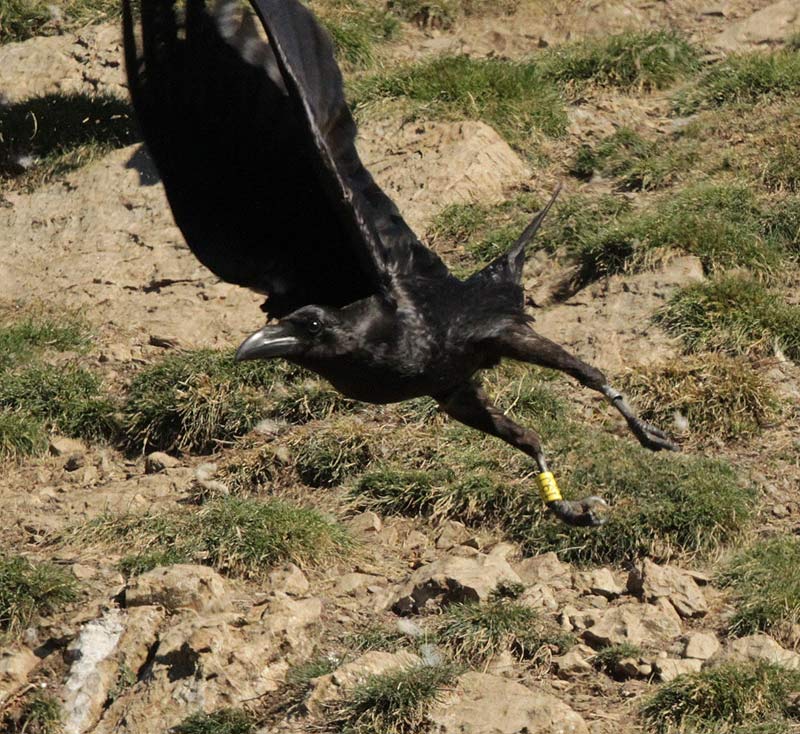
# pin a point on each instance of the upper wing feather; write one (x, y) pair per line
(255, 146)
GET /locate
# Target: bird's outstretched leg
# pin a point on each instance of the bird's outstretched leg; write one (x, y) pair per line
(524, 344)
(470, 405)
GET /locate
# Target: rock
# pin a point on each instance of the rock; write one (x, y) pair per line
(453, 579)
(486, 704)
(288, 621)
(62, 446)
(656, 582)
(539, 596)
(15, 667)
(365, 523)
(572, 664)
(701, 646)
(182, 585)
(545, 569)
(635, 624)
(329, 687)
(670, 668)
(599, 581)
(158, 461)
(451, 533)
(75, 461)
(768, 26)
(754, 648)
(289, 579)
(83, 572)
(350, 582)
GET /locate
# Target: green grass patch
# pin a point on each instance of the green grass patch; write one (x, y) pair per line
(637, 164)
(38, 713)
(224, 721)
(327, 458)
(508, 95)
(23, 19)
(241, 537)
(660, 504)
(48, 136)
(21, 434)
(735, 314)
(356, 28)
(744, 79)
(68, 399)
(138, 563)
(765, 586)
(729, 699)
(25, 336)
(720, 396)
(299, 400)
(196, 401)
(393, 703)
(633, 60)
(28, 590)
(443, 14)
(609, 658)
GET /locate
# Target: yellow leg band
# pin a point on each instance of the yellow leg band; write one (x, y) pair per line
(548, 489)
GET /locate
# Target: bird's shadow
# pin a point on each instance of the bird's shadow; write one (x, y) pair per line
(143, 164)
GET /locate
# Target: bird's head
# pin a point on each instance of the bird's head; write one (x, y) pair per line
(310, 334)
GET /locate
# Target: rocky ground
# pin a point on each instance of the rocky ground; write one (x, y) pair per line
(141, 653)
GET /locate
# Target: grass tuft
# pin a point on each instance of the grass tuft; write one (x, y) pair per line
(719, 396)
(304, 400)
(326, 458)
(765, 586)
(32, 334)
(48, 136)
(138, 563)
(729, 699)
(67, 398)
(241, 537)
(508, 95)
(28, 590)
(633, 60)
(21, 434)
(39, 714)
(442, 14)
(393, 703)
(195, 401)
(734, 313)
(608, 659)
(23, 19)
(224, 721)
(744, 79)
(356, 28)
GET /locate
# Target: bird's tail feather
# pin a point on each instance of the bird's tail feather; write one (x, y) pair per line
(516, 255)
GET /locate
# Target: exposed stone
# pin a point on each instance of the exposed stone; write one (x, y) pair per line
(63, 446)
(15, 667)
(329, 687)
(754, 648)
(451, 533)
(539, 596)
(182, 585)
(670, 668)
(572, 664)
(288, 620)
(350, 582)
(656, 582)
(289, 579)
(365, 522)
(486, 704)
(701, 646)
(545, 569)
(635, 624)
(82, 572)
(158, 461)
(768, 26)
(453, 579)
(599, 581)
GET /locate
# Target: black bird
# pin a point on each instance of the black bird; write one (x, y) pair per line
(256, 149)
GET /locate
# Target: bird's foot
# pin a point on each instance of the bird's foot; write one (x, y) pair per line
(650, 437)
(579, 513)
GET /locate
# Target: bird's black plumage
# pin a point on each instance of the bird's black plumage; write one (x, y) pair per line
(256, 149)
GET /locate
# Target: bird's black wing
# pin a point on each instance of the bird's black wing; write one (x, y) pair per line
(255, 146)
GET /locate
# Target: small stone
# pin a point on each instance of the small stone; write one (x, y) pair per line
(656, 582)
(74, 461)
(754, 648)
(269, 427)
(451, 533)
(545, 569)
(15, 667)
(669, 668)
(780, 511)
(82, 572)
(635, 624)
(600, 581)
(158, 461)
(182, 585)
(350, 582)
(61, 446)
(645, 670)
(572, 664)
(701, 646)
(289, 579)
(539, 596)
(365, 522)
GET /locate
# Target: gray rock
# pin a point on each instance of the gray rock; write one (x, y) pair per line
(656, 582)
(599, 581)
(635, 624)
(15, 667)
(754, 648)
(486, 704)
(289, 579)
(182, 585)
(453, 579)
(701, 646)
(451, 533)
(545, 569)
(158, 461)
(62, 446)
(572, 664)
(365, 523)
(768, 26)
(670, 668)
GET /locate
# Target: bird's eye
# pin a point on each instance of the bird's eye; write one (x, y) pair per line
(314, 326)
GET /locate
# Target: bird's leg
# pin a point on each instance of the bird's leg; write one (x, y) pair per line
(470, 405)
(524, 344)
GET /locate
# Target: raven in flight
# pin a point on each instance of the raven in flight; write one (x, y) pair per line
(246, 120)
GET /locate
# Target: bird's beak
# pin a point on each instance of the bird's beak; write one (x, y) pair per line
(278, 340)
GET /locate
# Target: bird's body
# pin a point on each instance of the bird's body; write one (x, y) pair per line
(256, 149)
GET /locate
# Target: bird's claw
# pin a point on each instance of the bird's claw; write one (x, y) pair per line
(579, 513)
(651, 437)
